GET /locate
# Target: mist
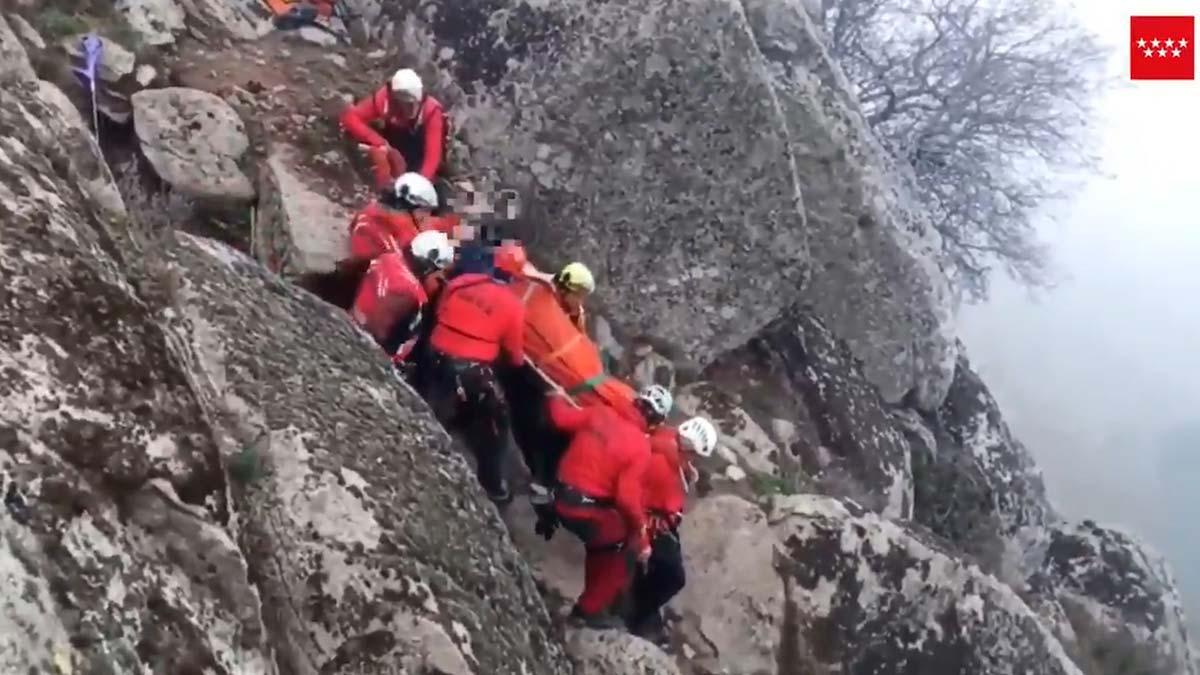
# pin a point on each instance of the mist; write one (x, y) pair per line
(1100, 376)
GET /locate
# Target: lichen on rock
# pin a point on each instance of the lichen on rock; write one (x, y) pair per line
(1120, 598)
(845, 443)
(95, 409)
(195, 142)
(365, 521)
(871, 596)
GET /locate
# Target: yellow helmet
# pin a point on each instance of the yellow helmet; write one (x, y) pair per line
(576, 277)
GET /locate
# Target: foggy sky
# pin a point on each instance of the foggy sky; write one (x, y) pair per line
(1091, 374)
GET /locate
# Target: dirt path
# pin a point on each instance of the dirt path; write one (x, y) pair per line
(292, 91)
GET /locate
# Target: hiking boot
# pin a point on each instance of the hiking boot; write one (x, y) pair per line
(547, 521)
(597, 621)
(540, 495)
(502, 498)
(652, 629)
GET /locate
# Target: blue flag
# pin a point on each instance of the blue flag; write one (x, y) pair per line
(93, 47)
(92, 50)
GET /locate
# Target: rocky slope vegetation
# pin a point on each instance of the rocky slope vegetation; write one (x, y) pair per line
(206, 469)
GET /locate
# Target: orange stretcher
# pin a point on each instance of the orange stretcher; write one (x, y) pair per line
(562, 354)
(323, 8)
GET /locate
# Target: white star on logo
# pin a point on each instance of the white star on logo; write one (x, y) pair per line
(1154, 43)
(1142, 43)
(1149, 52)
(1175, 52)
(1182, 43)
(1162, 52)
(1169, 43)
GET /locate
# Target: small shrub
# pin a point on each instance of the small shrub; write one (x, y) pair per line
(117, 29)
(55, 24)
(765, 485)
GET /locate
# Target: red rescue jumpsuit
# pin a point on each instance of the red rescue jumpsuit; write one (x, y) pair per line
(600, 495)
(477, 317)
(663, 497)
(421, 140)
(662, 488)
(389, 300)
(377, 229)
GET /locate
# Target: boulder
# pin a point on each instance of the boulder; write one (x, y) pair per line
(647, 366)
(24, 30)
(878, 280)
(616, 653)
(236, 20)
(751, 446)
(113, 488)
(156, 21)
(195, 142)
(615, 145)
(844, 440)
(14, 61)
(299, 230)
(981, 489)
(953, 498)
(1121, 600)
(690, 191)
(361, 522)
(731, 610)
(866, 594)
(145, 75)
(95, 176)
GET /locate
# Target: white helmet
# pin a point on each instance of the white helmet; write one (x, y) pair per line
(700, 434)
(657, 398)
(433, 247)
(415, 190)
(408, 84)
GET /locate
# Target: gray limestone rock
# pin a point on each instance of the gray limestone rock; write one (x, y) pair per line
(867, 594)
(877, 281)
(617, 653)
(845, 441)
(159, 22)
(26, 32)
(1121, 600)
(648, 142)
(205, 469)
(668, 144)
(361, 522)
(195, 141)
(14, 61)
(732, 609)
(299, 230)
(981, 488)
(112, 483)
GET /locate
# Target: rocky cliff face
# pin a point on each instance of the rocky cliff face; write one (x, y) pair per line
(709, 160)
(208, 470)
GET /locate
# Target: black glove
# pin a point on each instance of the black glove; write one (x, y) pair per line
(405, 369)
(547, 521)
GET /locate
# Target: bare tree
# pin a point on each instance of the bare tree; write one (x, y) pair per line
(989, 101)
